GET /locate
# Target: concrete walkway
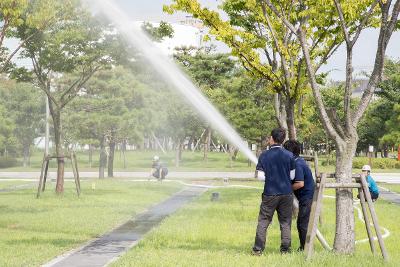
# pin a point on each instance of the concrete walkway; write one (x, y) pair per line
(110, 246)
(388, 195)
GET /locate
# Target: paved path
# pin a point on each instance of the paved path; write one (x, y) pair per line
(110, 246)
(388, 195)
(379, 177)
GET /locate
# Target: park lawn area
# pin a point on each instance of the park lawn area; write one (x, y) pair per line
(191, 161)
(142, 160)
(392, 187)
(9, 184)
(206, 233)
(34, 231)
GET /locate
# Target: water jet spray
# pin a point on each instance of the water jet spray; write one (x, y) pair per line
(170, 73)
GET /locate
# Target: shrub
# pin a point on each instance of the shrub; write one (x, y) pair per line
(6, 162)
(377, 163)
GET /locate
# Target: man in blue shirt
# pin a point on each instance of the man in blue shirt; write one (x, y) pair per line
(278, 166)
(303, 187)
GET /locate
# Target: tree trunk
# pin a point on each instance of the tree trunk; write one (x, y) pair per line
(207, 143)
(103, 158)
(235, 153)
(344, 238)
(181, 147)
(290, 119)
(90, 155)
(190, 143)
(123, 152)
(110, 170)
(56, 116)
(177, 154)
(26, 154)
(280, 111)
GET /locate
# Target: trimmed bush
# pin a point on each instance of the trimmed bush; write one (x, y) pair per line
(377, 163)
(6, 162)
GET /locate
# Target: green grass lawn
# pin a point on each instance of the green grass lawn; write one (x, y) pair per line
(392, 187)
(7, 184)
(33, 231)
(141, 161)
(206, 233)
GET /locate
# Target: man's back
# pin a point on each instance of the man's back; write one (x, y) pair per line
(303, 173)
(276, 164)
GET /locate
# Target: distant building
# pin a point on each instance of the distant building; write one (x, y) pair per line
(361, 87)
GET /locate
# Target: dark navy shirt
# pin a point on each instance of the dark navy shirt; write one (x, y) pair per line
(276, 163)
(303, 173)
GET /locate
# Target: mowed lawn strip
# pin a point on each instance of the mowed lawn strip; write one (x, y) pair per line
(33, 231)
(9, 184)
(392, 187)
(191, 161)
(206, 233)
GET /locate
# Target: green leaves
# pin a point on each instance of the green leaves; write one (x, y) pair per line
(158, 33)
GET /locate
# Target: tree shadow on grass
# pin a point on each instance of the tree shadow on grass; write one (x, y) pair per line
(213, 244)
(57, 242)
(8, 210)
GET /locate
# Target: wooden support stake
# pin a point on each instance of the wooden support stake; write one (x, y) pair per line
(342, 185)
(366, 220)
(46, 170)
(198, 141)
(374, 217)
(41, 178)
(75, 173)
(314, 217)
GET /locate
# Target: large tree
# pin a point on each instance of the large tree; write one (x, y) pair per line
(110, 112)
(25, 107)
(36, 14)
(267, 49)
(351, 18)
(75, 43)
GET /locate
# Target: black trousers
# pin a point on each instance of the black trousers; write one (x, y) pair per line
(302, 220)
(283, 206)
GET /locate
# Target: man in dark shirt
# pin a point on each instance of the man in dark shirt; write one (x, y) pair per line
(278, 166)
(303, 186)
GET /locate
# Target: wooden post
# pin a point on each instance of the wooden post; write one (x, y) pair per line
(314, 216)
(41, 177)
(75, 172)
(316, 164)
(366, 220)
(374, 217)
(46, 170)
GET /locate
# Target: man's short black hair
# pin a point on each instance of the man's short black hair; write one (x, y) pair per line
(279, 135)
(293, 146)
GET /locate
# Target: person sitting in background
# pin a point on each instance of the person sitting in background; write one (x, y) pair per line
(373, 188)
(157, 169)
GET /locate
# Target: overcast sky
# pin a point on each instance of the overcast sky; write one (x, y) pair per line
(364, 51)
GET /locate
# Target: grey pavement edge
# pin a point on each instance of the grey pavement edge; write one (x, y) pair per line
(110, 246)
